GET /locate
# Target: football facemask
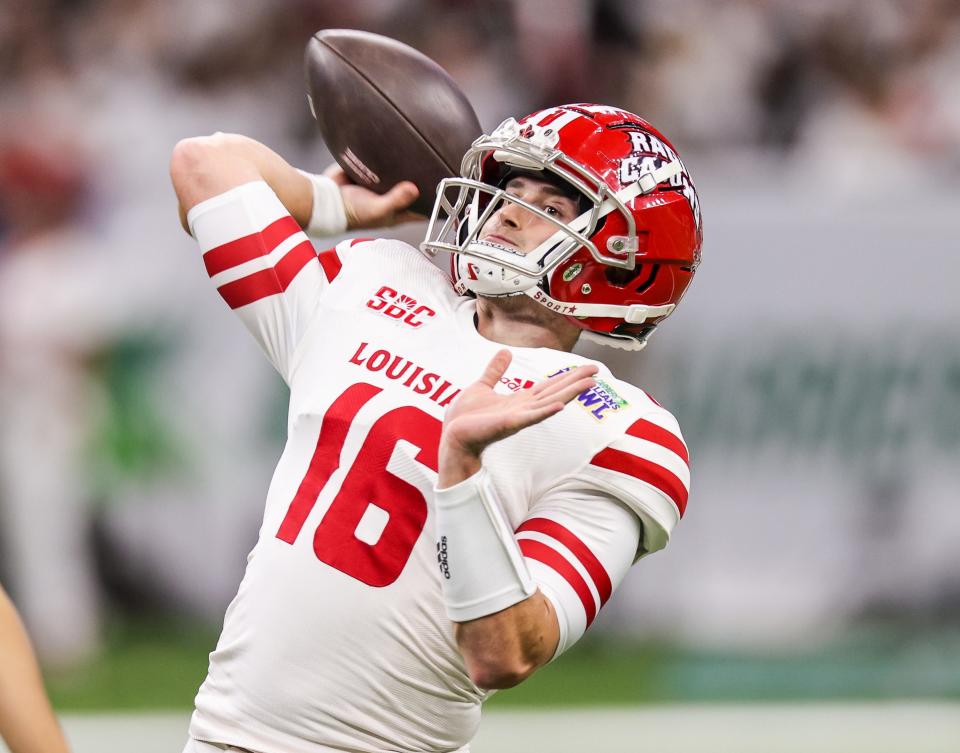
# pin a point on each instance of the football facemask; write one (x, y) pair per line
(606, 236)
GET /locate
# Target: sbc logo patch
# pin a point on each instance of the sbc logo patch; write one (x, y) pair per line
(400, 307)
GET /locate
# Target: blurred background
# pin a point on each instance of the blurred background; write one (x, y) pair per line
(814, 365)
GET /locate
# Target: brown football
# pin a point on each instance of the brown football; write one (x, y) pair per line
(387, 112)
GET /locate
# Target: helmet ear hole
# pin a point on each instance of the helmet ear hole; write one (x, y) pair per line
(650, 279)
(638, 279)
(622, 277)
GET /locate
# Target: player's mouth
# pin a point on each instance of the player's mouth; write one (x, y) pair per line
(498, 241)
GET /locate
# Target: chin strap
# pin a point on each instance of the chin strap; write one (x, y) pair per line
(635, 313)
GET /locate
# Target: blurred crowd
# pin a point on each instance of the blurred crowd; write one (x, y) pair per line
(98, 300)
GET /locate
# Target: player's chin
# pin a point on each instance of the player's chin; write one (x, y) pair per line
(520, 308)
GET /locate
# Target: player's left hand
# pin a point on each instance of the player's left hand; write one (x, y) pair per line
(479, 416)
(367, 209)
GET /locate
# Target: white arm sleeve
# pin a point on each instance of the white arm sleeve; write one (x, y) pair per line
(578, 545)
(263, 266)
(648, 469)
(482, 569)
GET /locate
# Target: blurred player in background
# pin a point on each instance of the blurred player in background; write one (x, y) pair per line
(54, 318)
(430, 536)
(27, 723)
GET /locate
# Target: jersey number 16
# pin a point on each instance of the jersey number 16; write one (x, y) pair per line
(367, 482)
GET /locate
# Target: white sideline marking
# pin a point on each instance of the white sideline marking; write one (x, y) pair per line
(897, 727)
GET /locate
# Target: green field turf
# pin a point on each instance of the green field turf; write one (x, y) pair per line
(160, 664)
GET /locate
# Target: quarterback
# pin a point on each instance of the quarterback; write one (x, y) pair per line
(459, 494)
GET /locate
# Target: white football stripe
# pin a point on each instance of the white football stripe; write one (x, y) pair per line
(566, 117)
(666, 422)
(568, 556)
(260, 263)
(640, 496)
(561, 594)
(655, 453)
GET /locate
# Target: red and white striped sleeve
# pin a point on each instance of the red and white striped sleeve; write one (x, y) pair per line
(578, 545)
(264, 266)
(648, 468)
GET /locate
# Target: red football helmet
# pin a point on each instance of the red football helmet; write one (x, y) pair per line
(619, 268)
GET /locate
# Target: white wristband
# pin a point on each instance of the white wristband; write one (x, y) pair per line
(481, 568)
(329, 216)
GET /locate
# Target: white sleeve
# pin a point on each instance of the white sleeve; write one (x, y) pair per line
(263, 266)
(648, 469)
(578, 545)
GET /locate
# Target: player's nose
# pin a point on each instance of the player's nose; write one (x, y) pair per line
(513, 215)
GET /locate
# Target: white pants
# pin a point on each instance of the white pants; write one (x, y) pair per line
(198, 746)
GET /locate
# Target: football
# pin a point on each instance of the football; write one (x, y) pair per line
(387, 112)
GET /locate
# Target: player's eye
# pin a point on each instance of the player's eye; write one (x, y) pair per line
(562, 210)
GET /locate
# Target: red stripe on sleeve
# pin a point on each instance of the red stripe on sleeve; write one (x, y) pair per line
(651, 432)
(267, 282)
(331, 263)
(580, 550)
(651, 473)
(537, 550)
(250, 288)
(249, 247)
(295, 259)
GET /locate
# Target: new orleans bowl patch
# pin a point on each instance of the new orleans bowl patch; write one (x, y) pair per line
(598, 399)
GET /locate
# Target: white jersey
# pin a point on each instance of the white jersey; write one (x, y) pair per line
(337, 639)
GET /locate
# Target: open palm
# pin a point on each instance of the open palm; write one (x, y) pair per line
(479, 416)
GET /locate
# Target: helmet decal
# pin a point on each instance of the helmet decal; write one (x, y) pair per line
(649, 152)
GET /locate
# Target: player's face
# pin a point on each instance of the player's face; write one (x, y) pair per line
(513, 226)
